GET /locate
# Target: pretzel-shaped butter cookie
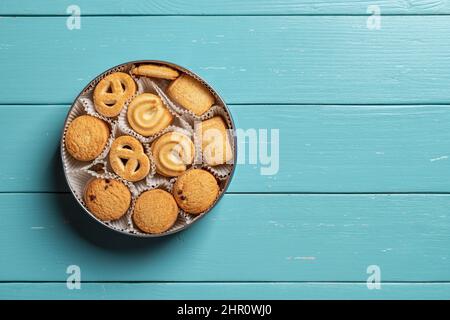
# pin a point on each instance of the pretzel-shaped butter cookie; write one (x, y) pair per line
(128, 159)
(112, 92)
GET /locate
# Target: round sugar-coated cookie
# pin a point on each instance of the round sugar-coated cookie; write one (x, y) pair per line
(195, 191)
(107, 199)
(86, 137)
(155, 211)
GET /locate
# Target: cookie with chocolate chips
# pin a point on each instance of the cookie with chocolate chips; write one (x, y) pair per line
(195, 191)
(107, 199)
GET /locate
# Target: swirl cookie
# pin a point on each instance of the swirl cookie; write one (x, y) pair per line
(147, 114)
(216, 146)
(128, 159)
(155, 211)
(107, 199)
(172, 152)
(155, 71)
(112, 92)
(195, 191)
(86, 137)
(191, 94)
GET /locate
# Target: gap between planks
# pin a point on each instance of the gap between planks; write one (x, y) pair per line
(225, 15)
(220, 282)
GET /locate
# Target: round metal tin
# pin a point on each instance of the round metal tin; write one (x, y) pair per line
(227, 183)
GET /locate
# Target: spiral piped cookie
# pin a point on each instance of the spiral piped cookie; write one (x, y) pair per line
(128, 159)
(147, 114)
(86, 137)
(155, 211)
(173, 153)
(112, 92)
(107, 199)
(195, 191)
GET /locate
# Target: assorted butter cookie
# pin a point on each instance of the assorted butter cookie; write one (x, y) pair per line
(147, 114)
(107, 199)
(112, 92)
(191, 94)
(128, 159)
(155, 71)
(173, 152)
(86, 137)
(215, 141)
(195, 191)
(155, 211)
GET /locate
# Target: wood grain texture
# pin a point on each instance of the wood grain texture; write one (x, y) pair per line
(321, 148)
(226, 7)
(245, 238)
(359, 111)
(305, 59)
(207, 291)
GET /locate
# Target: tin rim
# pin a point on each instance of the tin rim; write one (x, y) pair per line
(227, 183)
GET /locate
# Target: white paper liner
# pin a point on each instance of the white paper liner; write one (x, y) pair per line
(87, 99)
(147, 86)
(79, 180)
(116, 134)
(69, 162)
(79, 173)
(157, 179)
(90, 88)
(190, 218)
(161, 87)
(182, 220)
(223, 171)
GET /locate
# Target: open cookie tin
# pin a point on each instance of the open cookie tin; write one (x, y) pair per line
(224, 183)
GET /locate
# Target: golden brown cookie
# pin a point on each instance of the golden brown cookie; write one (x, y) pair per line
(155, 71)
(172, 152)
(195, 191)
(107, 199)
(155, 211)
(147, 114)
(128, 159)
(112, 92)
(191, 94)
(215, 141)
(86, 137)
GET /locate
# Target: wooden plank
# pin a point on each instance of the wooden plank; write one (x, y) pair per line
(183, 291)
(321, 149)
(301, 59)
(229, 7)
(246, 238)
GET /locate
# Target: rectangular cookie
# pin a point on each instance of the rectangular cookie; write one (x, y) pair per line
(216, 146)
(191, 94)
(155, 71)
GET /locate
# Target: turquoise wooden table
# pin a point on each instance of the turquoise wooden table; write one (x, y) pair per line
(361, 102)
